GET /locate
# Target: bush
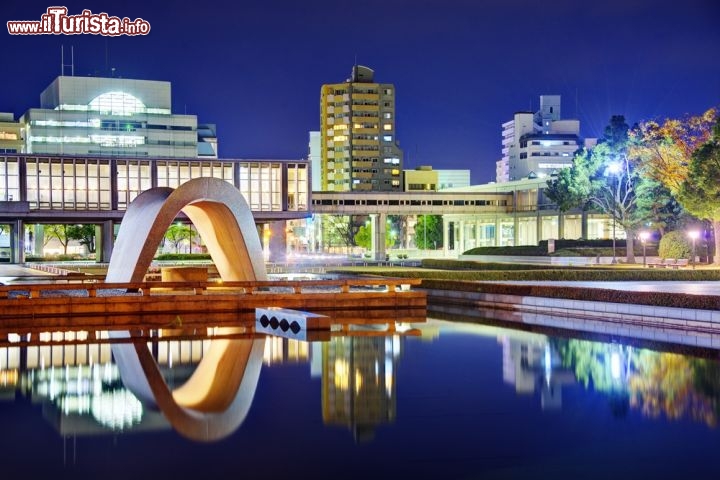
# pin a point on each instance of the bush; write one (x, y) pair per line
(675, 245)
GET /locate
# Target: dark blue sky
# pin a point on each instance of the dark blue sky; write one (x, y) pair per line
(461, 67)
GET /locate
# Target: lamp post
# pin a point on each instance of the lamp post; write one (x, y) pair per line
(613, 169)
(643, 238)
(693, 234)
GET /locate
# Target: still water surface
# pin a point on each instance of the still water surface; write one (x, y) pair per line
(458, 401)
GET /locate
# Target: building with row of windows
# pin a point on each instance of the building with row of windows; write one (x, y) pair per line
(358, 143)
(97, 116)
(97, 143)
(539, 143)
(62, 189)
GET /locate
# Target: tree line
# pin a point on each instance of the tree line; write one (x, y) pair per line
(656, 175)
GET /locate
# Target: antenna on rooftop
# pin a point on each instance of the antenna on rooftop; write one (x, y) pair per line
(62, 61)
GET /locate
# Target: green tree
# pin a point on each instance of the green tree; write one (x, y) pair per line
(339, 230)
(428, 232)
(700, 193)
(562, 190)
(85, 234)
(665, 149)
(606, 179)
(59, 232)
(363, 237)
(176, 234)
(657, 205)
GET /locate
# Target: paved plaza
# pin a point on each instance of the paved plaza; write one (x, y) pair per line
(10, 273)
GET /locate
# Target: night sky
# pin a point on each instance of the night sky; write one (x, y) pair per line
(461, 67)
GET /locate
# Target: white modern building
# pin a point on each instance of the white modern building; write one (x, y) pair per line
(121, 117)
(539, 143)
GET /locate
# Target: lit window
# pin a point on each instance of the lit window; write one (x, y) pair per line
(387, 115)
(387, 138)
(117, 103)
(387, 126)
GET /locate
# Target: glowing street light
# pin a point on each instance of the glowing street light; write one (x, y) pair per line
(644, 235)
(693, 234)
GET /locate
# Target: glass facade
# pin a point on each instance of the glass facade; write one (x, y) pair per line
(9, 180)
(297, 186)
(72, 183)
(133, 177)
(61, 183)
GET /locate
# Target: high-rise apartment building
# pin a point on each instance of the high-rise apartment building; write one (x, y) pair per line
(359, 148)
(537, 143)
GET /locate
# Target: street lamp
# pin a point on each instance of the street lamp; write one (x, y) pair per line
(693, 234)
(613, 169)
(643, 238)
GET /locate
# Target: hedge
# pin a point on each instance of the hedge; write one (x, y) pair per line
(474, 265)
(660, 299)
(564, 274)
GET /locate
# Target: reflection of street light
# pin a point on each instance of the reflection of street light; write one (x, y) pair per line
(643, 238)
(693, 234)
(613, 169)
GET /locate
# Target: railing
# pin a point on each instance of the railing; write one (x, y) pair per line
(71, 288)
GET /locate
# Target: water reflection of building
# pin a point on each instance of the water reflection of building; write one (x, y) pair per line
(358, 383)
(280, 350)
(75, 382)
(78, 387)
(530, 363)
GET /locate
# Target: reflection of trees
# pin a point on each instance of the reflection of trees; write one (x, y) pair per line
(591, 363)
(664, 385)
(656, 383)
(707, 381)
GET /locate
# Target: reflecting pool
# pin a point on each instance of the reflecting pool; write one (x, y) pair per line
(444, 400)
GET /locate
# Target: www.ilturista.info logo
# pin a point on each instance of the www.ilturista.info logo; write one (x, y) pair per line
(57, 22)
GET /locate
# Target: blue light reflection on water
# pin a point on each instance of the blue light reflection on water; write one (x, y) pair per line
(466, 401)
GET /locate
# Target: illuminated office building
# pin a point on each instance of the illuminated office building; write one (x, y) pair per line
(11, 140)
(114, 117)
(359, 148)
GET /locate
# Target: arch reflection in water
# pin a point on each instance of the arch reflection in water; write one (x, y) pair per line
(214, 401)
(216, 398)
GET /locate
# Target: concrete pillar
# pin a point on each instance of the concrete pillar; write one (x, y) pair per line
(38, 239)
(498, 232)
(378, 233)
(584, 225)
(516, 229)
(373, 243)
(461, 237)
(278, 242)
(104, 241)
(17, 242)
(477, 233)
(561, 226)
(446, 237)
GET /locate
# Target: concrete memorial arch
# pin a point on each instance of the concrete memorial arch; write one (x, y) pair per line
(216, 398)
